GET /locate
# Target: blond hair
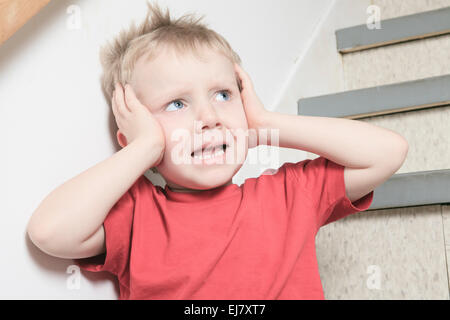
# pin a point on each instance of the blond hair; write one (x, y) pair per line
(185, 34)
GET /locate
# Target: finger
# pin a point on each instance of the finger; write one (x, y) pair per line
(239, 82)
(246, 82)
(120, 101)
(238, 79)
(132, 101)
(113, 104)
(117, 115)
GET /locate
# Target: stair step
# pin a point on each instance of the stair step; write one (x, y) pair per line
(413, 189)
(379, 100)
(15, 13)
(411, 27)
(405, 61)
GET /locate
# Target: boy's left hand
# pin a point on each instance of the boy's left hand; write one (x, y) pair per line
(254, 109)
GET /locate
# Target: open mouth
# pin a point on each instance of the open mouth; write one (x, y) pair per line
(210, 152)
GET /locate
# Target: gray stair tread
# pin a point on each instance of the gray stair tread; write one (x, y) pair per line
(410, 27)
(386, 99)
(413, 189)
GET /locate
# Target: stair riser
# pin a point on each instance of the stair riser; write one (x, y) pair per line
(397, 63)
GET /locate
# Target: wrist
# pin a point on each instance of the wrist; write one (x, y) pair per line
(151, 150)
(149, 143)
(263, 128)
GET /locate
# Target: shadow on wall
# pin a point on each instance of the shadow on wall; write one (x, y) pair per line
(8, 51)
(59, 265)
(15, 44)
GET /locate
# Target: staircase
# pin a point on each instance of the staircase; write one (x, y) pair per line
(396, 77)
(15, 13)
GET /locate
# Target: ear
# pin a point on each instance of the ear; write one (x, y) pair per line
(121, 139)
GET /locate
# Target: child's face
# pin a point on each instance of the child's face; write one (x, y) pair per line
(190, 100)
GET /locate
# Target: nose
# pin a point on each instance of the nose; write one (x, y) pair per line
(208, 118)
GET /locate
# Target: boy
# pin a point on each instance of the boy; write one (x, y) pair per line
(201, 236)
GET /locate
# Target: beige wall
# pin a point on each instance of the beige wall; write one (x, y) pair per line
(397, 8)
(396, 253)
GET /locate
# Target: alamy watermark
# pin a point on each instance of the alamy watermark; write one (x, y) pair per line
(74, 21)
(188, 149)
(374, 19)
(74, 280)
(374, 280)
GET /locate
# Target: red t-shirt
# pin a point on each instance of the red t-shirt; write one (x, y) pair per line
(250, 242)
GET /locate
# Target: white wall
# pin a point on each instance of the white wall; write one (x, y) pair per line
(57, 124)
(319, 67)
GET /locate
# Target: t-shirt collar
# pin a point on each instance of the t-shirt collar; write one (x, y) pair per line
(217, 193)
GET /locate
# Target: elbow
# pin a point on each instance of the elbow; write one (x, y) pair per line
(394, 154)
(398, 154)
(56, 243)
(45, 243)
(37, 235)
(40, 235)
(404, 148)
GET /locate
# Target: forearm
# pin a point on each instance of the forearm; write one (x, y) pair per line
(350, 143)
(77, 208)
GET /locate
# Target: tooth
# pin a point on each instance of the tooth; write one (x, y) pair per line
(219, 151)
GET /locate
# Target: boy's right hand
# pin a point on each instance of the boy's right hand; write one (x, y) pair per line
(134, 120)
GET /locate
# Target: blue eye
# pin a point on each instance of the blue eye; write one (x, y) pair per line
(173, 102)
(227, 93)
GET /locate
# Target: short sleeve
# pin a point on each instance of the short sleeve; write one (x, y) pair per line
(118, 229)
(323, 182)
